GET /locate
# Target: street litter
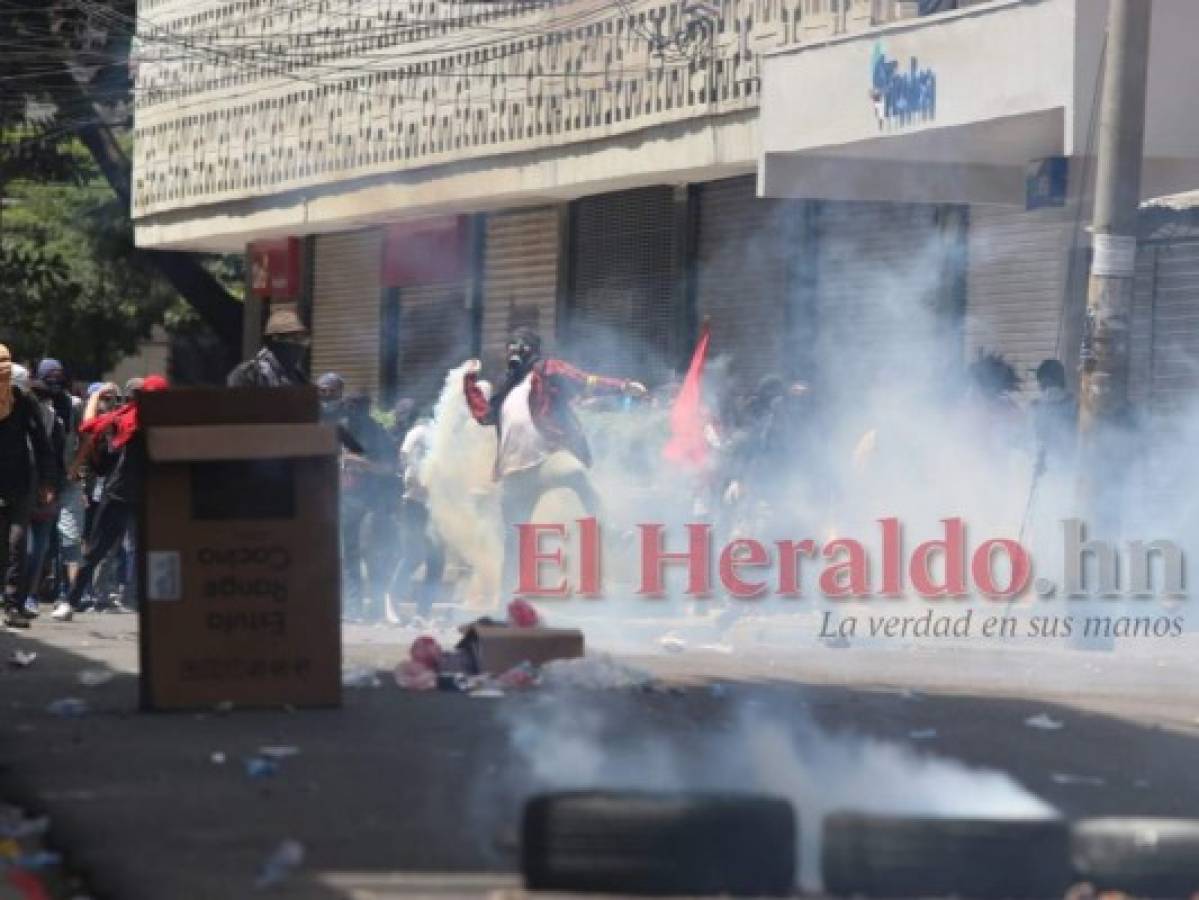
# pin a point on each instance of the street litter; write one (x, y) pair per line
(68, 707)
(672, 643)
(594, 673)
(1089, 780)
(412, 676)
(18, 828)
(360, 677)
(95, 677)
(22, 659)
(487, 693)
(287, 857)
(1043, 722)
(523, 614)
(261, 767)
(280, 751)
(923, 734)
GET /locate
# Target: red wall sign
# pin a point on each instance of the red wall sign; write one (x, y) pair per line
(424, 252)
(275, 268)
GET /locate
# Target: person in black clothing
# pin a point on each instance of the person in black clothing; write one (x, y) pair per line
(21, 470)
(43, 527)
(368, 498)
(117, 450)
(280, 362)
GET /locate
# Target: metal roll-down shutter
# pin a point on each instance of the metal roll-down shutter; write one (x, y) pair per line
(880, 279)
(1165, 326)
(433, 336)
(625, 311)
(1016, 285)
(745, 248)
(520, 280)
(346, 308)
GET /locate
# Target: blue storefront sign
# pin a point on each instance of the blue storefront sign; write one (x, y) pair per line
(901, 97)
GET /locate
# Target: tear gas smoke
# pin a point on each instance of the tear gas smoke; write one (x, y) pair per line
(560, 743)
(891, 428)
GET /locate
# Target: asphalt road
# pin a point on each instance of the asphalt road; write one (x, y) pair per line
(399, 794)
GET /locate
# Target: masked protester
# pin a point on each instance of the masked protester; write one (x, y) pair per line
(280, 362)
(331, 387)
(43, 527)
(540, 442)
(26, 466)
(115, 446)
(367, 506)
(1054, 417)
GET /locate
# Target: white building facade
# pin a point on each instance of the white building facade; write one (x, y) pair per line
(799, 171)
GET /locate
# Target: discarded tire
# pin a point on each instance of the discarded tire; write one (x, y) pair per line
(894, 856)
(660, 844)
(1144, 857)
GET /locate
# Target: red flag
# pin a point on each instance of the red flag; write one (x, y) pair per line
(687, 445)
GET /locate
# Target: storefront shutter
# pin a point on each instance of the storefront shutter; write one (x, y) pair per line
(1017, 284)
(1165, 327)
(346, 308)
(625, 310)
(433, 336)
(520, 281)
(881, 276)
(745, 249)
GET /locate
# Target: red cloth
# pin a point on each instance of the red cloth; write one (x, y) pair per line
(425, 651)
(688, 417)
(553, 384)
(523, 614)
(123, 420)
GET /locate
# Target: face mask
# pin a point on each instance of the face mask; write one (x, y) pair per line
(519, 356)
(55, 386)
(330, 408)
(290, 353)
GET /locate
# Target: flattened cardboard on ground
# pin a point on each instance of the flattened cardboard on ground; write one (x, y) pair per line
(497, 648)
(239, 551)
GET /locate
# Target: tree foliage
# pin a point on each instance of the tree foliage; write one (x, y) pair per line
(65, 106)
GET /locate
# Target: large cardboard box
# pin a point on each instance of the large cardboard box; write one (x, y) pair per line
(238, 550)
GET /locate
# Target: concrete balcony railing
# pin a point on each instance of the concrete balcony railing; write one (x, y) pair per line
(237, 99)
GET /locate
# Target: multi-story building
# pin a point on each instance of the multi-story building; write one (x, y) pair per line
(815, 176)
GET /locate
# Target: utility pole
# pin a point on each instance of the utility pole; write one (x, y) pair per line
(1105, 353)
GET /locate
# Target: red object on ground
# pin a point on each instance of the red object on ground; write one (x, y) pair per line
(523, 614)
(688, 417)
(412, 676)
(427, 652)
(31, 886)
(518, 678)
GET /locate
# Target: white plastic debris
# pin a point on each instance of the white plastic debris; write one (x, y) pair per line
(279, 751)
(723, 649)
(96, 677)
(360, 677)
(1044, 722)
(288, 856)
(672, 643)
(1088, 780)
(486, 693)
(22, 659)
(217, 758)
(68, 707)
(592, 673)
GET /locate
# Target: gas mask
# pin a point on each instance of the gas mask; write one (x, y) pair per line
(290, 350)
(523, 349)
